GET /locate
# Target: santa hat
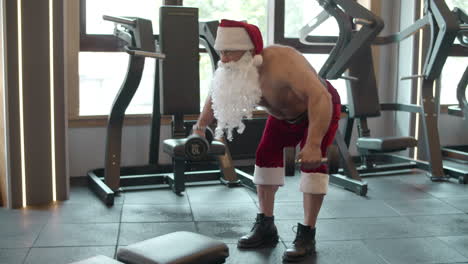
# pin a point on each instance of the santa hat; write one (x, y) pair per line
(238, 35)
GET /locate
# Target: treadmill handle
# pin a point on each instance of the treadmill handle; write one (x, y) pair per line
(120, 20)
(141, 53)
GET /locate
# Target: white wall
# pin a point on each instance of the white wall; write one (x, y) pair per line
(87, 147)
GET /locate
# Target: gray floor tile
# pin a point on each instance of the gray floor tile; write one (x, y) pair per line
(449, 189)
(156, 213)
(64, 255)
(56, 235)
(422, 207)
(135, 232)
(392, 188)
(84, 195)
(346, 252)
(362, 208)
(13, 255)
(91, 213)
(419, 177)
(337, 193)
(459, 243)
(226, 231)
(154, 196)
(218, 194)
(257, 256)
(442, 225)
(30, 215)
(357, 228)
(460, 203)
(414, 250)
(295, 210)
(221, 212)
(20, 234)
(289, 192)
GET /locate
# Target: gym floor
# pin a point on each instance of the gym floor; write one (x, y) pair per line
(405, 218)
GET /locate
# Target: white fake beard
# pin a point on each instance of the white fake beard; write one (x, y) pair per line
(235, 93)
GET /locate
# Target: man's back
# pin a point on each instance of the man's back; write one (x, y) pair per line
(287, 80)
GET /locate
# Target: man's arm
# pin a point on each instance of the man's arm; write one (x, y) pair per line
(319, 107)
(205, 119)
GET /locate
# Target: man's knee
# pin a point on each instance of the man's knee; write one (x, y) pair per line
(314, 182)
(267, 188)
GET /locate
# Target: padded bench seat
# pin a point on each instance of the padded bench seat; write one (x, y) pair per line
(100, 259)
(387, 144)
(175, 248)
(175, 147)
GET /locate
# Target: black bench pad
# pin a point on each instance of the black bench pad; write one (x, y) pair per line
(98, 260)
(175, 248)
(386, 144)
(175, 147)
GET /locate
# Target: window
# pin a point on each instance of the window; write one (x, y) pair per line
(290, 17)
(454, 66)
(296, 18)
(317, 61)
(102, 67)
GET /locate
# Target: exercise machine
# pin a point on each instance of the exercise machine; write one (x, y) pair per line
(177, 46)
(374, 152)
(460, 153)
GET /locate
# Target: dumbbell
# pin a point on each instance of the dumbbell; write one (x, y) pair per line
(197, 147)
(332, 160)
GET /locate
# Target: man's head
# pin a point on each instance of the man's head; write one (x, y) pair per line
(238, 36)
(235, 87)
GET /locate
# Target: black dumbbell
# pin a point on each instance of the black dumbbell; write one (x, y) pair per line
(332, 160)
(197, 147)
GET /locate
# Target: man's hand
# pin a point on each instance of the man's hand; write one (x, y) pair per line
(310, 157)
(200, 132)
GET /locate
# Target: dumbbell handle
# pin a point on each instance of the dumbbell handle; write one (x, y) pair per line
(322, 161)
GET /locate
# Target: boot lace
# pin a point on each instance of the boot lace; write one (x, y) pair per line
(256, 223)
(299, 233)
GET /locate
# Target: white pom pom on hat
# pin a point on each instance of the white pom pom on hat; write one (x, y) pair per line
(238, 35)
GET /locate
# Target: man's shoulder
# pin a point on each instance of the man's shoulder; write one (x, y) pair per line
(275, 53)
(277, 48)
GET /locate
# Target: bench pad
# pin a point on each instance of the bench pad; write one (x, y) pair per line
(386, 144)
(175, 248)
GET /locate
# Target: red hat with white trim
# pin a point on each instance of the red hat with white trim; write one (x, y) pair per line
(238, 35)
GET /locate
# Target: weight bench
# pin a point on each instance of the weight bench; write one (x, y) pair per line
(387, 144)
(175, 248)
(196, 150)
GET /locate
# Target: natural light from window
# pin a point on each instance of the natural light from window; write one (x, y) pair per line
(102, 73)
(300, 12)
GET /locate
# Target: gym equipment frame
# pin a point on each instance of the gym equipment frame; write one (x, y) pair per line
(138, 36)
(443, 31)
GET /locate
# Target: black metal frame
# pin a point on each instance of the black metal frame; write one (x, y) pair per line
(112, 179)
(443, 32)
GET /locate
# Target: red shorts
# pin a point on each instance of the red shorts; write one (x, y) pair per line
(279, 134)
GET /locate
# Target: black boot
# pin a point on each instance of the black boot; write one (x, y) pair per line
(303, 245)
(263, 233)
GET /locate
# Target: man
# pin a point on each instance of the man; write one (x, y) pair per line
(302, 108)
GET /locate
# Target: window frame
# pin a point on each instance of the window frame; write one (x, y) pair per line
(96, 42)
(110, 43)
(279, 38)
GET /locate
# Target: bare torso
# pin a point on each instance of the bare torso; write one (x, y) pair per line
(281, 65)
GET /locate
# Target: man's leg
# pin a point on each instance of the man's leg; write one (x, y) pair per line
(312, 205)
(268, 176)
(266, 198)
(264, 232)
